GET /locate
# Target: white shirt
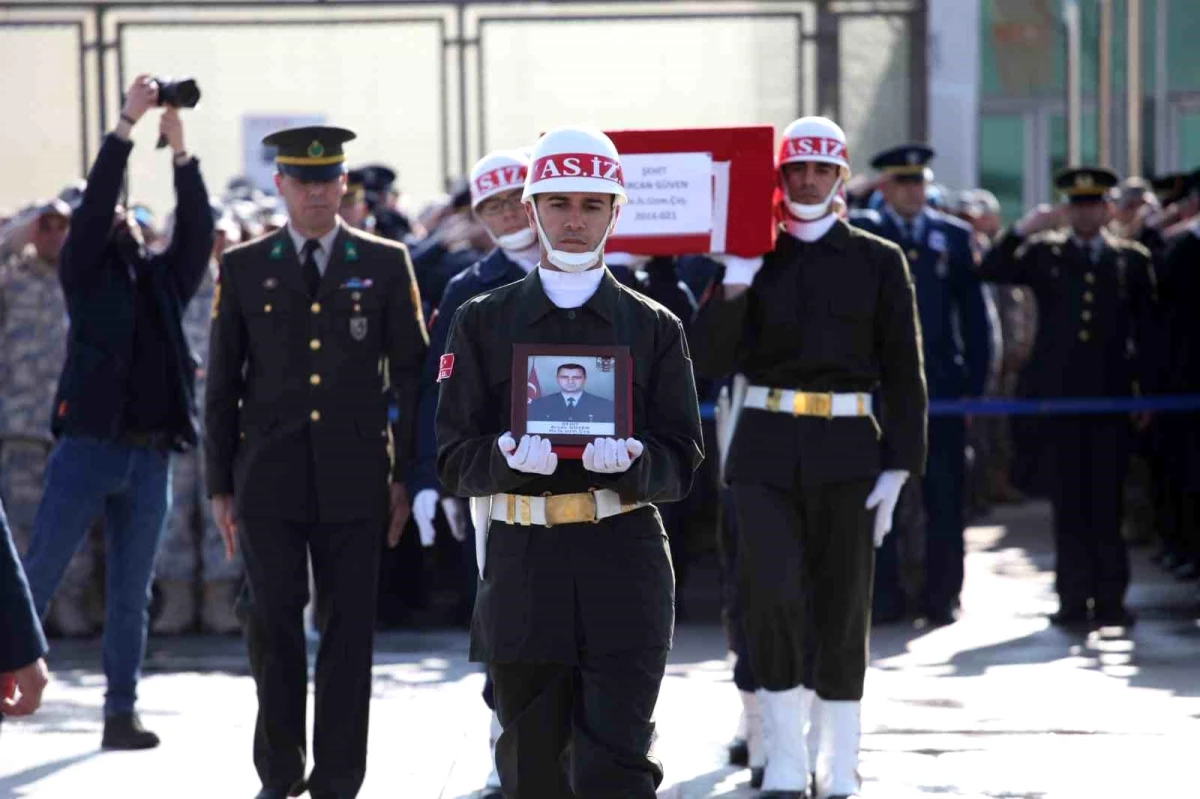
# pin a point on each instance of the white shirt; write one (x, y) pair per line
(323, 252)
(570, 289)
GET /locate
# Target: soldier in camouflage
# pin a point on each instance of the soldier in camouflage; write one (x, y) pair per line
(33, 340)
(192, 550)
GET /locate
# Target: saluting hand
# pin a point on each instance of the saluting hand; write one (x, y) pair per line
(611, 455)
(532, 455)
(1039, 218)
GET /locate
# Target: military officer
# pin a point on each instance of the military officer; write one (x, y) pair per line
(1096, 299)
(574, 615)
(297, 453)
(956, 334)
(815, 326)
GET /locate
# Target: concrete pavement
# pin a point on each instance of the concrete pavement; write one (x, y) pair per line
(997, 705)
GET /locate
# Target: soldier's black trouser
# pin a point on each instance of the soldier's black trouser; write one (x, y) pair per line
(806, 569)
(345, 560)
(1091, 456)
(600, 709)
(943, 489)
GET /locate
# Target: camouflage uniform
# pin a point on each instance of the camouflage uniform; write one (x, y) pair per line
(177, 556)
(33, 341)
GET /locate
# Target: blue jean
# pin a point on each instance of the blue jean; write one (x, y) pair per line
(86, 477)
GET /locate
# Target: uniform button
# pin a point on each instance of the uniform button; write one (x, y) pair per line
(913, 255)
(1090, 277)
(1088, 296)
(316, 307)
(242, 436)
(315, 379)
(1084, 335)
(570, 314)
(314, 344)
(315, 416)
(267, 308)
(357, 308)
(1086, 316)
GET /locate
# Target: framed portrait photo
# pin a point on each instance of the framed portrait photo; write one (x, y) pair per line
(571, 394)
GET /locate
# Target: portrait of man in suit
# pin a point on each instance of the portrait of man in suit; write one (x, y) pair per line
(571, 404)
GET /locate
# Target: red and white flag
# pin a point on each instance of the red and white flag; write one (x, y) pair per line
(535, 388)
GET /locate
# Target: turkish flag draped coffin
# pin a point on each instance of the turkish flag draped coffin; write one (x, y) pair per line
(696, 190)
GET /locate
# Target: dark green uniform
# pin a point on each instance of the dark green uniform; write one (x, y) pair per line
(573, 620)
(835, 315)
(1095, 312)
(296, 429)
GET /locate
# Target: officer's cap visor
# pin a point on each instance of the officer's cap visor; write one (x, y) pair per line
(305, 173)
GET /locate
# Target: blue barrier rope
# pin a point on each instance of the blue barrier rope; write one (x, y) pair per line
(1042, 407)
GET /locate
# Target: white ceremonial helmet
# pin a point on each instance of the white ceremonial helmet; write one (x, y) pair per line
(496, 173)
(577, 159)
(813, 139)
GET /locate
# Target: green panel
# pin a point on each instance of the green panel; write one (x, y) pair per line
(1002, 160)
(1058, 144)
(1189, 140)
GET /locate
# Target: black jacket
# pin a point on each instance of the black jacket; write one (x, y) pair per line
(836, 315)
(100, 295)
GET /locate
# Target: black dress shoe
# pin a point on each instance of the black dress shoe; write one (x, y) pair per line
(941, 617)
(756, 776)
(125, 731)
(1070, 617)
(739, 753)
(1116, 616)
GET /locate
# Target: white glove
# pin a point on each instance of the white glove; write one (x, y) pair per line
(884, 497)
(740, 271)
(611, 455)
(532, 455)
(424, 508)
(456, 517)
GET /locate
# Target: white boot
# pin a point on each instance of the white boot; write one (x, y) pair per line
(812, 736)
(837, 763)
(493, 779)
(785, 714)
(756, 749)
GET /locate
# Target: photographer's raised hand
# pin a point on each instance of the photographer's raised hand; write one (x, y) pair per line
(141, 97)
(170, 127)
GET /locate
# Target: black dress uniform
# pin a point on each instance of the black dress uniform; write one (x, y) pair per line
(575, 620)
(956, 338)
(297, 432)
(1096, 306)
(834, 315)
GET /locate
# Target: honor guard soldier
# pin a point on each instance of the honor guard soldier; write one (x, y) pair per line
(297, 453)
(815, 327)
(574, 614)
(956, 334)
(1096, 300)
(497, 181)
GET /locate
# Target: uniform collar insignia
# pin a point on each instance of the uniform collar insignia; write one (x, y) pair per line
(277, 251)
(351, 251)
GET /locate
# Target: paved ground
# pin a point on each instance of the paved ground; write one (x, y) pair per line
(998, 705)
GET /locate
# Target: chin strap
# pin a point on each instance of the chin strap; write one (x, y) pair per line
(573, 261)
(811, 213)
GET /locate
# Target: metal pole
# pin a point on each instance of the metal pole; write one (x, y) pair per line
(1133, 85)
(1074, 88)
(1162, 136)
(1104, 85)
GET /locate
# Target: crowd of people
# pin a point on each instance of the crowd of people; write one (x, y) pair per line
(1089, 299)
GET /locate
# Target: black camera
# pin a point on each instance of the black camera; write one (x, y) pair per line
(182, 93)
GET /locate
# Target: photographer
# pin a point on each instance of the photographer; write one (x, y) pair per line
(125, 398)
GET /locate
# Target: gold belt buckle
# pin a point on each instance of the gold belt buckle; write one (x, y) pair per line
(570, 508)
(520, 510)
(808, 404)
(774, 398)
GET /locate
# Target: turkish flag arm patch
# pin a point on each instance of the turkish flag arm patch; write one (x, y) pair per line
(445, 367)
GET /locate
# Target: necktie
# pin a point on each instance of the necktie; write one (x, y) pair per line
(571, 403)
(312, 275)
